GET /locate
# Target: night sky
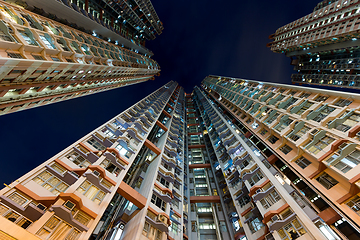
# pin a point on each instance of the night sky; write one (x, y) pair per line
(200, 38)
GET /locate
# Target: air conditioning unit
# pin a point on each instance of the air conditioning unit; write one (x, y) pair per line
(75, 174)
(252, 205)
(161, 218)
(258, 190)
(96, 173)
(69, 205)
(41, 207)
(275, 218)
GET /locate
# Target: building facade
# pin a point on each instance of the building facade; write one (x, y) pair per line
(323, 45)
(308, 138)
(45, 61)
(235, 159)
(126, 172)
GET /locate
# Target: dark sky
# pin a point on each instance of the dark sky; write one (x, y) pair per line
(200, 38)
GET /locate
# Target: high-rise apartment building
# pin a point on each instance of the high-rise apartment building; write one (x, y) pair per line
(126, 172)
(47, 58)
(235, 159)
(292, 167)
(323, 45)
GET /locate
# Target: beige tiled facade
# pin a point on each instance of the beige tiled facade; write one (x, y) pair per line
(43, 61)
(309, 135)
(120, 170)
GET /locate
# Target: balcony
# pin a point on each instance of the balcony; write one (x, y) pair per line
(103, 140)
(31, 211)
(94, 179)
(68, 177)
(228, 140)
(233, 147)
(135, 134)
(276, 225)
(170, 151)
(145, 121)
(260, 195)
(117, 161)
(166, 174)
(128, 116)
(160, 222)
(248, 175)
(235, 175)
(139, 125)
(238, 159)
(246, 168)
(89, 155)
(225, 133)
(149, 116)
(172, 143)
(163, 193)
(66, 215)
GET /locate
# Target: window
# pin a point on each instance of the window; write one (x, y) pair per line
(51, 183)
(342, 102)
(158, 202)
(123, 151)
(162, 181)
(207, 226)
(270, 199)
(305, 107)
(96, 144)
(14, 217)
(354, 204)
(14, 55)
(347, 163)
(29, 39)
(91, 191)
(286, 149)
(244, 200)
(58, 229)
(18, 198)
(283, 124)
(106, 164)
(174, 228)
(296, 136)
(291, 102)
(175, 203)
(292, 230)
(263, 132)
(255, 178)
(302, 162)
(57, 167)
(37, 57)
(80, 216)
(193, 226)
(348, 123)
(326, 180)
(255, 225)
(305, 95)
(78, 159)
(271, 119)
(48, 42)
(323, 113)
(273, 139)
(321, 144)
